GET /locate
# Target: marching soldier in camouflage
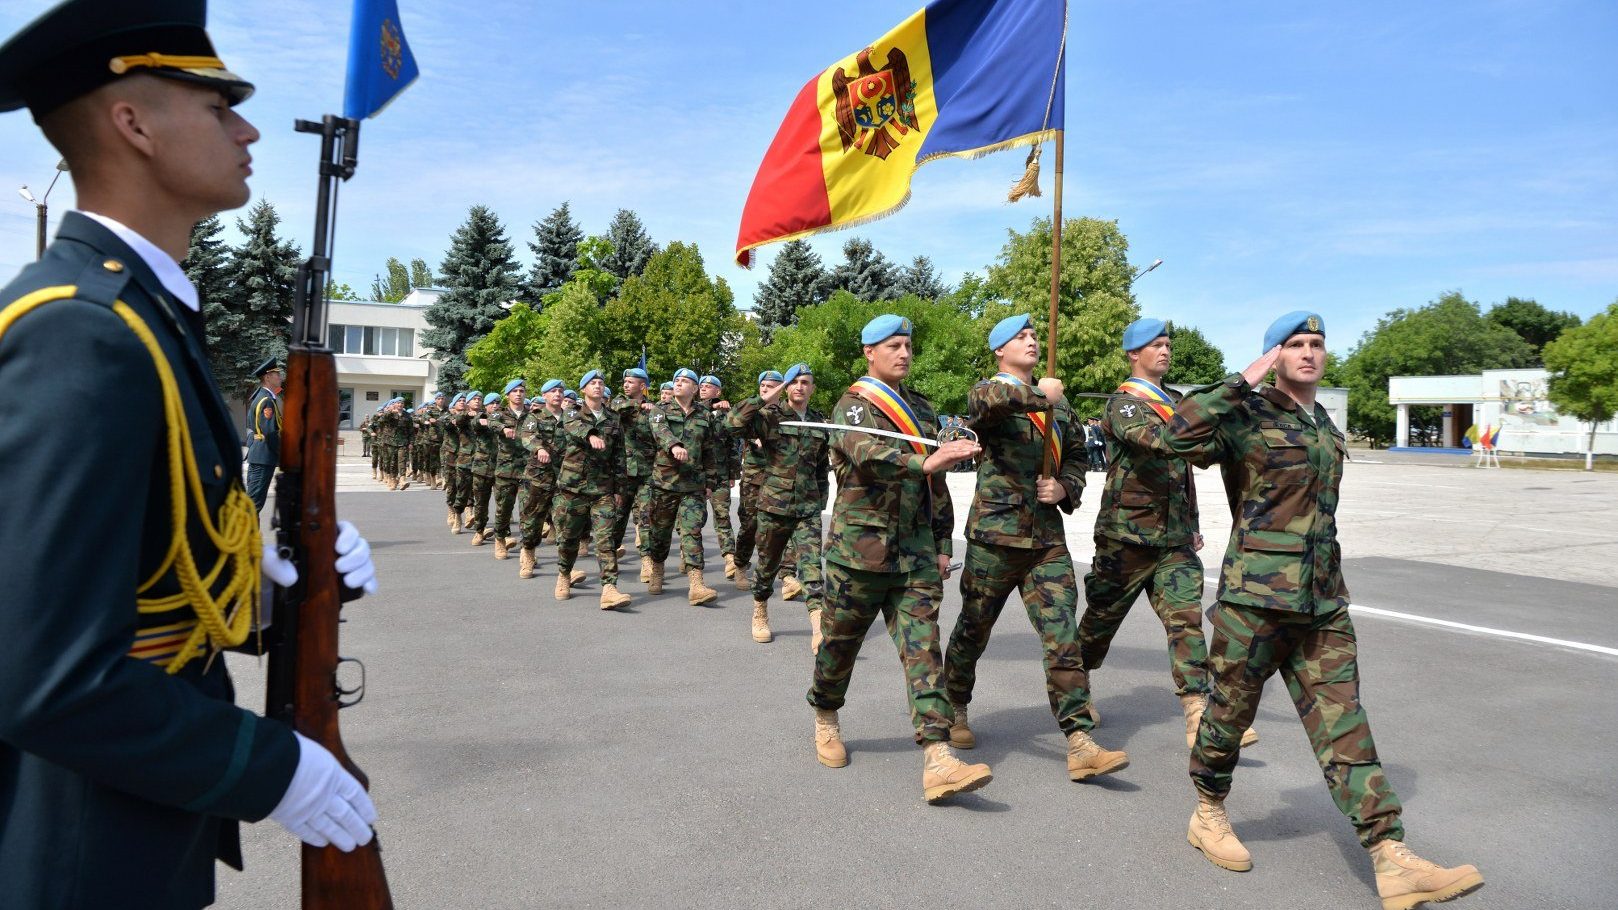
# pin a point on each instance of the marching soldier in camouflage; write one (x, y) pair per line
(430, 433)
(369, 448)
(640, 450)
(395, 426)
(1146, 534)
(448, 461)
(1015, 541)
(752, 466)
(682, 478)
(540, 434)
(888, 552)
(1283, 608)
(710, 394)
(586, 490)
(511, 461)
(466, 426)
(485, 456)
(791, 491)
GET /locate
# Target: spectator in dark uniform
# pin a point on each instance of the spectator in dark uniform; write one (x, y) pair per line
(264, 431)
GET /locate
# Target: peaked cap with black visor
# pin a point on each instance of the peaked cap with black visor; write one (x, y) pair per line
(81, 45)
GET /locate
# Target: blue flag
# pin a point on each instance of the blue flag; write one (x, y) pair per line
(643, 358)
(380, 64)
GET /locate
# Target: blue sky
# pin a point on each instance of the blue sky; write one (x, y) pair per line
(1346, 158)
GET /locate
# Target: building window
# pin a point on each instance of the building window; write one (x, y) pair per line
(334, 337)
(407, 339)
(353, 338)
(369, 339)
(345, 409)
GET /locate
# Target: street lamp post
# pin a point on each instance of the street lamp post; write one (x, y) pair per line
(40, 209)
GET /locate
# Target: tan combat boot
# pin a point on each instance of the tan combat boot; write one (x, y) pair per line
(700, 593)
(454, 521)
(501, 548)
(730, 565)
(645, 569)
(740, 577)
(578, 576)
(1211, 833)
(612, 598)
(791, 588)
(815, 634)
(943, 775)
(960, 735)
(391, 481)
(654, 582)
(1404, 879)
(563, 589)
(829, 748)
(478, 537)
(1249, 737)
(404, 484)
(1086, 758)
(761, 622)
(525, 565)
(1192, 705)
(467, 514)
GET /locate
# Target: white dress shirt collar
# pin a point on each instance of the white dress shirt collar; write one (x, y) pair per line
(168, 271)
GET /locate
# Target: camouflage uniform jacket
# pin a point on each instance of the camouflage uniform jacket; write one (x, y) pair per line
(1283, 470)
(466, 441)
(727, 459)
(794, 479)
(1006, 510)
(1150, 497)
(888, 515)
(672, 426)
(542, 431)
(395, 428)
(365, 428)
(511, 457)
(640, 449)
(485, 448)
(584, 469)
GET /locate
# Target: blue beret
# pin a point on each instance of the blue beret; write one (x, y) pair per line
(606, 390)
(1143, 331)
(550, 384)
(683, 373)
(410, 410)
(638, 373)
(438, 395)
(667, 387)
(713, 381)
(769, 376)
(515, 384)
(796, 370)
(1007, 329)
(457, 399)
(571, 394)
(491, 398)
(474, 395)
(1291, 324)
(593, 374)
(884, 327)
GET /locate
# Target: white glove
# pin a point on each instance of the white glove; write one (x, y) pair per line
(353, 562)
(324, 805)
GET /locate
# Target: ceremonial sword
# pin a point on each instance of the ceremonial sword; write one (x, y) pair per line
(947, 434)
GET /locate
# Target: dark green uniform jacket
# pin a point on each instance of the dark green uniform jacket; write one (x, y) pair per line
(119, 784)
(264, 428)
(1006, 509)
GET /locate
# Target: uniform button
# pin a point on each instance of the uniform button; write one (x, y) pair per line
(218, 471)
(113, 265)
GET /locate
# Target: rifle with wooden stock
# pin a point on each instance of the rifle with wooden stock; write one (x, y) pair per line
(301, 639)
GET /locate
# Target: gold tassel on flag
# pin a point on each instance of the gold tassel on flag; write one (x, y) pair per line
(1029, 184)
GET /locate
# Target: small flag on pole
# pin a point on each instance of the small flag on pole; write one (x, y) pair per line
(380, 64)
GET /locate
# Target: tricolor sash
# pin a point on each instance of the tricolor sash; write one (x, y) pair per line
(1041, 420)
(1151, 394)
(892, 406)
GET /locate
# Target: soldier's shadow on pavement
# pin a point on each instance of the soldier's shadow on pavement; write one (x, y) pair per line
(1310, 808)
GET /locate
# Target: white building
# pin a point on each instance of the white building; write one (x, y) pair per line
(1515, 401)
(380, 356)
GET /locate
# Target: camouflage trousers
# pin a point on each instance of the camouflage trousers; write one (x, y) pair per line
(779, 534)
(505, 502)
(376, 455)
(578, 514)
(452, 482)
(630, 487)
(467, 486)
(746, 520)
(1172, 580)
(387, 458)
(719, 500)
(908, 602)
(1317, 657)
(538, 500)
(1044, 577)
(691, 510)
(482, 486)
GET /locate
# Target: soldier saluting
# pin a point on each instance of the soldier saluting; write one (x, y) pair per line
(1283, 608)
(125, 766)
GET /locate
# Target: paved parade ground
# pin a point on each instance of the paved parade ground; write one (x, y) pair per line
(525, 753)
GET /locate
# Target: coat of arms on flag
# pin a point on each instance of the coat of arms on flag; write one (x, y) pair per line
(876, 108)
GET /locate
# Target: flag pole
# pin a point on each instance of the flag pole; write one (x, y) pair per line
(1048, 469)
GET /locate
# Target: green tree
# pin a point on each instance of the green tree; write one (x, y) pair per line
(1095, 299)
(207, 264)
(395, 286)
(571, 344)
(680, 314)
(263, 271)
(556, 253)
(479, 275)
(1446, 337)
(336, 291)
(507, 351)
(797, 279)
(865, 272)
(1196, 361)
(920, 279)
(632, 247)
(420, 275)
(591, 257)
(1532, 321)
(1583, 363)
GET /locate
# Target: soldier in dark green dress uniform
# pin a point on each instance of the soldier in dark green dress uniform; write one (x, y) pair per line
(264, 431)
(540, 434)
(888, 553)
(511, 460)
(1015, 541)
(1283, 608)
(791, 490)
(125, 766)
(592, 442)
(683, 476)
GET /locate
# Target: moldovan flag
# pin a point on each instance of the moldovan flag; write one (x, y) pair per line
(960, 78)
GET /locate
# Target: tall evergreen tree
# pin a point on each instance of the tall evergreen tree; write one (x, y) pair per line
(556, 253)
(632, 247)
(921, 279)
(865, 272)
(207, 264)
(797, 279)
(479, 274)
(263, 272)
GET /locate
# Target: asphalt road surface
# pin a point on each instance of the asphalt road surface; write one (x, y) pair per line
(525, 753)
